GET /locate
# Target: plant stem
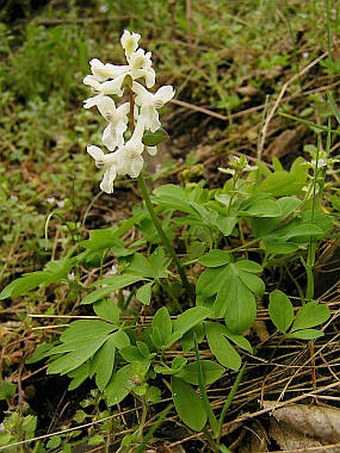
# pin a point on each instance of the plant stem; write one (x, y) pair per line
(156, 425)
(312, 245)
(229, 400)
(164, 237)
(211, 416)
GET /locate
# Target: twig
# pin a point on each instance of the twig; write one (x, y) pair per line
(279, 99)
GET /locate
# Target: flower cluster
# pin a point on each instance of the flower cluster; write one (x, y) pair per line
(106, 80)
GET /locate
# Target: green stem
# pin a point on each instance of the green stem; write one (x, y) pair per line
(156, 425)
(164, 237)
(232, 191)
(312, 245)
(229, 400)
(211, 416)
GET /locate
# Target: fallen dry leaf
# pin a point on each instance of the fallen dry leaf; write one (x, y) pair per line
(288, 142)
(256, 439)
(316, 422)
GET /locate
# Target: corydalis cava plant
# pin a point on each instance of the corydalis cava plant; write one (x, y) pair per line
(140, 113)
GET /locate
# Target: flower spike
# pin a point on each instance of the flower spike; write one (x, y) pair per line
(106, 80)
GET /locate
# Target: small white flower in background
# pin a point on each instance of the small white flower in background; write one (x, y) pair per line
(126, 156)
(114, 269)
(321, 163)
(103, 9)
(71, 277)
(319, 157)
(239, 164)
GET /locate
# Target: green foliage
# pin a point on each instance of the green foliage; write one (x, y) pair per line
(260, 217)
(154, 138)
(83, 355)
(281, 310)
(54, 271)
(234, 287)
(137, 268)
(38, 68)
(121, 361)
(212, 371)
(161, 328)
(188, 404)
(300, 325)
(310, 315)
(17, 428)
(120, 385)
(221, 347)
(7, 390)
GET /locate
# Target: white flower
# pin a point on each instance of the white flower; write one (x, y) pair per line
(130, 160)
(108, 78)
(114, 269)
(108, 87)
(102, 72)
(117, 118)
(109, 163)
(150, 102)
(140, 65)
(321, 162)
(127, 160)
(129, 42)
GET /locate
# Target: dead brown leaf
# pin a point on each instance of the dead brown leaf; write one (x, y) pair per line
(288, 142)
(289, 439)
(256, 440)
(316, 422)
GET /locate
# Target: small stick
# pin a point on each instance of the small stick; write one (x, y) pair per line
(279, 99)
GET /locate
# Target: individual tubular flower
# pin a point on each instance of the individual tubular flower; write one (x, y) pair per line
(113, 135)
(107, 162)
(102, 72)
(129, 42)
(140, 65)
(130, 160)
(149, 103)
(127, 160)
(113, 86)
